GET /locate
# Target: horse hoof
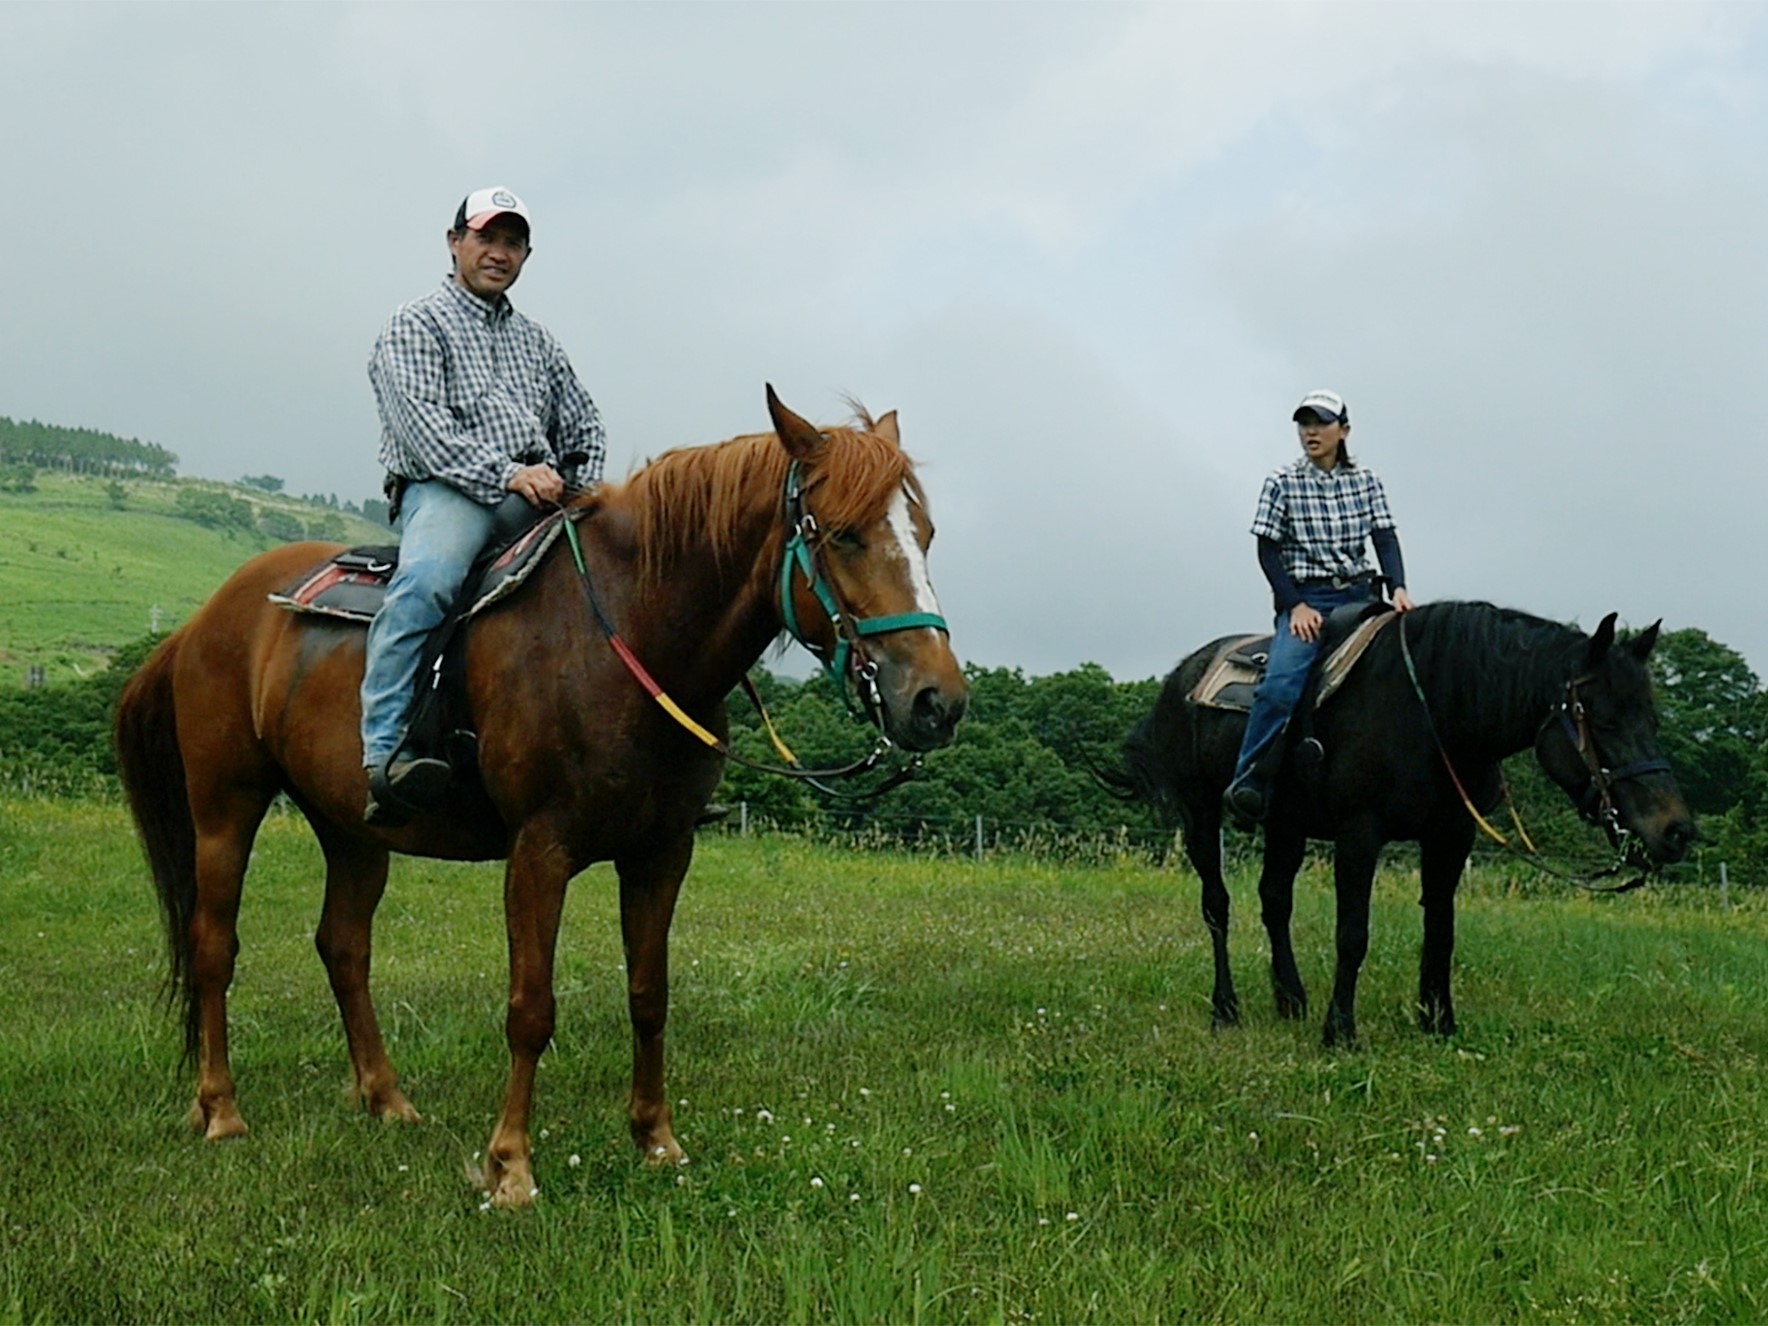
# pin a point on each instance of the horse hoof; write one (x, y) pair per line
(225, 1124)
(665, 1154)
(507, 1186)
(217, 1123)
(395, 1108)
(1291, 1008)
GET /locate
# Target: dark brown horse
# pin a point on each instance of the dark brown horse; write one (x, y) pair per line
(578, 764)
(1480, 683)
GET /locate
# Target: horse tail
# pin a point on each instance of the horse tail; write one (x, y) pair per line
(152, 769)
(1142, 775)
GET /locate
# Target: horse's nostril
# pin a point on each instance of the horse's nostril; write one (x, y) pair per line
(934, 711)
(1677, 837)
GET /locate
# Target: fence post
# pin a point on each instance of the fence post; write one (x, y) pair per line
(743, 818)
(1724, 889)
(979, 837)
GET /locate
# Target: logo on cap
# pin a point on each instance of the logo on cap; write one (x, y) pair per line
(503, 198)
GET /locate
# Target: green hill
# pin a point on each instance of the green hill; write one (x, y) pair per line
(89, 563)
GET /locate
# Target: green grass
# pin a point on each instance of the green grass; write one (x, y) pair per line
(1027, 1044)
(78, 578)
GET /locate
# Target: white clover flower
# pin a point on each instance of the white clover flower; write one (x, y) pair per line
(575, 1160)
(908, 1151)
(853, 1197)
(1043, 1220)
(816, 1182)
(1072, 1216)
(914, 1190)
(1473, 1131)
(764, 1116)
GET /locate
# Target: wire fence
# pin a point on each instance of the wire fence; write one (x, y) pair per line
(979, 837)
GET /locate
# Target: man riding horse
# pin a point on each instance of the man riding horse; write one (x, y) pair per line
(476, 402)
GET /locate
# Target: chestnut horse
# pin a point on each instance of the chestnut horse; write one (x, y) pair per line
(577, 764)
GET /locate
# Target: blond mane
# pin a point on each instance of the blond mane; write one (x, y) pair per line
(699, 497)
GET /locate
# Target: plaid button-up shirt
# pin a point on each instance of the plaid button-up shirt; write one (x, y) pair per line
(470, 391)
(1321, 519)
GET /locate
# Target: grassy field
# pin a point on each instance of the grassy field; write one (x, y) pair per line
(914, 1090)
(78, 578)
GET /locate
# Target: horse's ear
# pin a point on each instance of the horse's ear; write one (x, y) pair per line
(796, 435)
(1640, 646)
(886, 429)
(1602, 641)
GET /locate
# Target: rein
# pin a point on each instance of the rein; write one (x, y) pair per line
(800, 555)
(1595, 797)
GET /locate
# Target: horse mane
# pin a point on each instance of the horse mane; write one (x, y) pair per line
(700, 497)
(1482, 665)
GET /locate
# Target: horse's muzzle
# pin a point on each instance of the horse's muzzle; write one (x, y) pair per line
(1671, 843)
(932, 718)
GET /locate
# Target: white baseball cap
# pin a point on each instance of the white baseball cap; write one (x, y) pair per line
(1328, 405)
(479, 207)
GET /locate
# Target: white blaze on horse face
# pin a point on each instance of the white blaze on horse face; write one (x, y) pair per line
(908, 547)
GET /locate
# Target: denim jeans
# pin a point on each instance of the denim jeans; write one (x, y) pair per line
(441, 530)
(1286, 674)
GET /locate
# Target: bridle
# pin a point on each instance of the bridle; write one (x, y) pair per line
(802, 556)
(1595, 803)
(848, 661)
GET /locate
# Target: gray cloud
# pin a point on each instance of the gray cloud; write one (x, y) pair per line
(1091, 253)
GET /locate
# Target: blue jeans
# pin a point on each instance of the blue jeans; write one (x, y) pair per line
(441, 531)
(1286, 675)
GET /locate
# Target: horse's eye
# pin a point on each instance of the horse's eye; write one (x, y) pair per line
(847, 540)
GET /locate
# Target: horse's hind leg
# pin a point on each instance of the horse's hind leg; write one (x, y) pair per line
(355, 878)
(1284, 849)
(225, 827)
(1354, 858)
(1203, 844)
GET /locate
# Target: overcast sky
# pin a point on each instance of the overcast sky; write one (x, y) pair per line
(1093, 254)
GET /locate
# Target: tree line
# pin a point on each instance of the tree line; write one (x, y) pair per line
(1025, 752)
(82, 450)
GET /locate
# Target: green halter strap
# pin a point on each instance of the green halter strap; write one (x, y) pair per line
(800, 558)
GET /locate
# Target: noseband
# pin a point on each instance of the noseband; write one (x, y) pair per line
(1595, 803)
(848, 659)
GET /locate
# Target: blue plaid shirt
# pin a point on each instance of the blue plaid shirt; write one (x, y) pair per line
(1321, 519)
(470, 391)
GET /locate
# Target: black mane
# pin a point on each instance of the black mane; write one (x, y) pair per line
(1486, 668)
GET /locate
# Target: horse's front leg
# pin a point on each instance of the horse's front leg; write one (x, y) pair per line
(533, 900)
(1354, 858)
(649, 886)
(1284, 848)
(1441, 859)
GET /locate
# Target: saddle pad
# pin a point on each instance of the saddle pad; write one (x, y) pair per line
(1239, 665)
(352, 585)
